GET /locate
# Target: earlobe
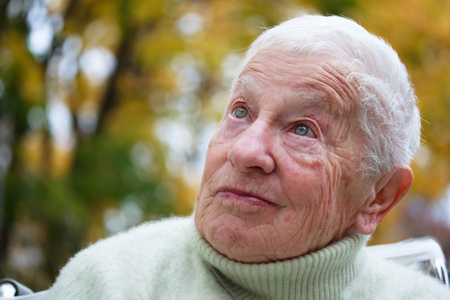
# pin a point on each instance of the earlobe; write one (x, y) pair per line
(389, 190)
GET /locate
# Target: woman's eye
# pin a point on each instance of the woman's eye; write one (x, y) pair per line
(304, 130)
(240, 112)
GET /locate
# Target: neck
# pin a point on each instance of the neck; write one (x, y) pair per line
(322, 274)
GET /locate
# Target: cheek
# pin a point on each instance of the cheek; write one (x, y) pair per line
(216, 155)
(204, 206)
(340, 206)
(342, 180)
(216, 158)
(201, 214)
(312, 186)
(228, 129)
(308, 176)
(331, 181)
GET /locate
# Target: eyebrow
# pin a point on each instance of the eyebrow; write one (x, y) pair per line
(246, 83)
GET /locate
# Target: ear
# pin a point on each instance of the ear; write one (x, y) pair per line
(389, 190)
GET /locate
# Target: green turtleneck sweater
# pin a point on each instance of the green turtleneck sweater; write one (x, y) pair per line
(169, 260)
(324, 274)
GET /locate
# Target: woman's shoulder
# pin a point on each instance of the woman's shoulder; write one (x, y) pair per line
(146, 251)
(390, 280)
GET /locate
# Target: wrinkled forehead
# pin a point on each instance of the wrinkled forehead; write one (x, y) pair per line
(320, 81)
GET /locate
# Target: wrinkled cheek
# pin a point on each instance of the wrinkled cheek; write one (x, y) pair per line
(335, 210)
(320, 185)
(312, 179)
(330, 183)
(216, 159)
(204, 201)
(325, 220)
(203, 212)
(309, 189)
(215, 164)
(207, 207)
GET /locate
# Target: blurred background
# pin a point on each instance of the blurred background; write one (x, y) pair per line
(107, 106)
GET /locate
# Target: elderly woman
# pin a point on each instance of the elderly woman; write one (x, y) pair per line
(311, 154)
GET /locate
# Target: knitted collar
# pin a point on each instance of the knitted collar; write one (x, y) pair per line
(323, 274)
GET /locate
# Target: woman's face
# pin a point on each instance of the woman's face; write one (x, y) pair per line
(281, 176)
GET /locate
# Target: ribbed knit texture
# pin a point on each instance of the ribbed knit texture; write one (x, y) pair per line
(324, 274)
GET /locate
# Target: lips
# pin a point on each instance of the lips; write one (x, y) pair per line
(243, 197)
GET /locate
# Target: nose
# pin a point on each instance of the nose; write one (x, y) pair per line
(251, 151)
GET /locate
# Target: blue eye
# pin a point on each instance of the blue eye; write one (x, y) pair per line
(302, 130)
(240, 112)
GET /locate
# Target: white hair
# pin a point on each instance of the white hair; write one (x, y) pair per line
(386, 109)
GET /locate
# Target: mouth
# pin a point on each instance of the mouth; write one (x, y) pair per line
(243, 197)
